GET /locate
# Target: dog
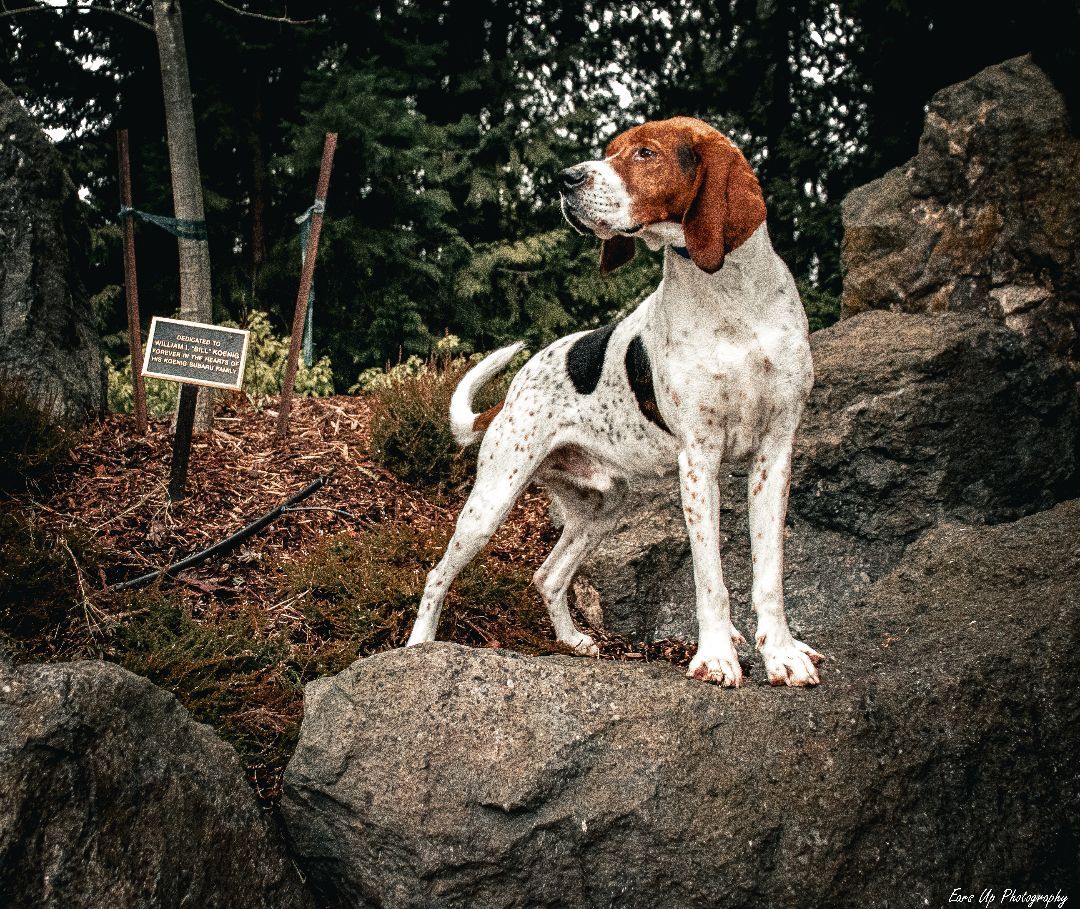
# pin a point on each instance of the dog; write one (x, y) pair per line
(712, 370)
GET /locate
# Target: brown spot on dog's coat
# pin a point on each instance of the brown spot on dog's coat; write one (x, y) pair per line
(483, 420)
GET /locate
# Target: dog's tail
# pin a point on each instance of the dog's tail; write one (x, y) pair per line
(462, 419)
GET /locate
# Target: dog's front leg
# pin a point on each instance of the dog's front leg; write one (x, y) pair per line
(787, 661)
(716, 659)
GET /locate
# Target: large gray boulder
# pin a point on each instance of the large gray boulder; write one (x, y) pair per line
(913, 419)
(939, 752)
(111, 795)
(986, 216)
(49, 340)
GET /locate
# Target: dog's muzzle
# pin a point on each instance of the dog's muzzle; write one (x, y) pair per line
(578, 196)
(572, 216)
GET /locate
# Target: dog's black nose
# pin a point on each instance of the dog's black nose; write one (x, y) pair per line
(573, 177)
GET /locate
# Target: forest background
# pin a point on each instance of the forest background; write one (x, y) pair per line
(455, 118)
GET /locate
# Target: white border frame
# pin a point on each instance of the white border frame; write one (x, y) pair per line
(183, 380)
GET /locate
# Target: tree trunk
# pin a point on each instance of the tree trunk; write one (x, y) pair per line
(259, 188)
(195, 301)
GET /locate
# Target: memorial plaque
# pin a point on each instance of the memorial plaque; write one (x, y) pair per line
(196, 353)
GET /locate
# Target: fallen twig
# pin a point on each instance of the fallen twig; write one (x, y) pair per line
(228, 543)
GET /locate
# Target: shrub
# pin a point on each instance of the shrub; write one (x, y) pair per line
(410, 428)
(40, 584)
(362, 593)
(267, 356)
(410, 423)
(229, 672)
(263, 375)
(33, 442)
(160, 394)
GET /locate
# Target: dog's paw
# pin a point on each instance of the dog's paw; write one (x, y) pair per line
(791, 664)
(583, 645)
(720, 668)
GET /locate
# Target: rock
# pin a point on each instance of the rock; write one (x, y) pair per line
(913, 419)
(985, 217)
(916, 419)
(938, 753)
(111, 795)
(643, 574)
(48, 336)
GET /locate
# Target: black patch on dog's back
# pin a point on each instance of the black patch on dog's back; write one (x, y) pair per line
(639, 373)
(585, 359)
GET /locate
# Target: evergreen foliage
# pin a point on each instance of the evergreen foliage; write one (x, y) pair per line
(455, 117)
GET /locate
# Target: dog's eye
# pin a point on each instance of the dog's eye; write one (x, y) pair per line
(643, 154)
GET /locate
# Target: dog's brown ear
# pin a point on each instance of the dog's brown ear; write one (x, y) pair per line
(727, 206)
(615, 252)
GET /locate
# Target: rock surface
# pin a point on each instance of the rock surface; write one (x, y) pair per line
(111, 795)
(985, 217)
(48, 337)
(913, 419)
(939, 752)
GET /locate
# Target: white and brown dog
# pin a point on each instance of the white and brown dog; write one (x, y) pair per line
(711, 370)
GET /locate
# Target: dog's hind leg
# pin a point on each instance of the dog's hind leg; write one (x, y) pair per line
(493, 495)
(589, 517)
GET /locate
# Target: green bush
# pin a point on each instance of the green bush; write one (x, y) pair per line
(263, 375)
(361, 594)
(160, 394)
(267, 357)
(39, 580)
(32, 442)
(410, 422)
(447, 349)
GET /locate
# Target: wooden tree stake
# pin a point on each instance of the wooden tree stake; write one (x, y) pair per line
(306, 275)
(131, 286)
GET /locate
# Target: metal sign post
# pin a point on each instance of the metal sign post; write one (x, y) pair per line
(131, 287)
(194, 354)
(306, 275)
(181, 452)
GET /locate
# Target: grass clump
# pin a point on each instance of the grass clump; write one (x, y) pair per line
(33, 441)
(230, 672)
(362, 592)
(410, 422)
(41, 583)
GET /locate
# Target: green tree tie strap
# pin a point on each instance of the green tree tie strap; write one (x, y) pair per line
(178, 227)
(305, 228)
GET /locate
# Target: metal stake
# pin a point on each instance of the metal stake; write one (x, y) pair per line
(185, 423)
(131, 286)
(306, 274)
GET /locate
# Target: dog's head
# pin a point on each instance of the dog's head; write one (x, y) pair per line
(675, 181)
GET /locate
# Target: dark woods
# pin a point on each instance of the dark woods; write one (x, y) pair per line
(454, 118)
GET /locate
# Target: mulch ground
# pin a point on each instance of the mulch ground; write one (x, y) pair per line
(115, 488)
